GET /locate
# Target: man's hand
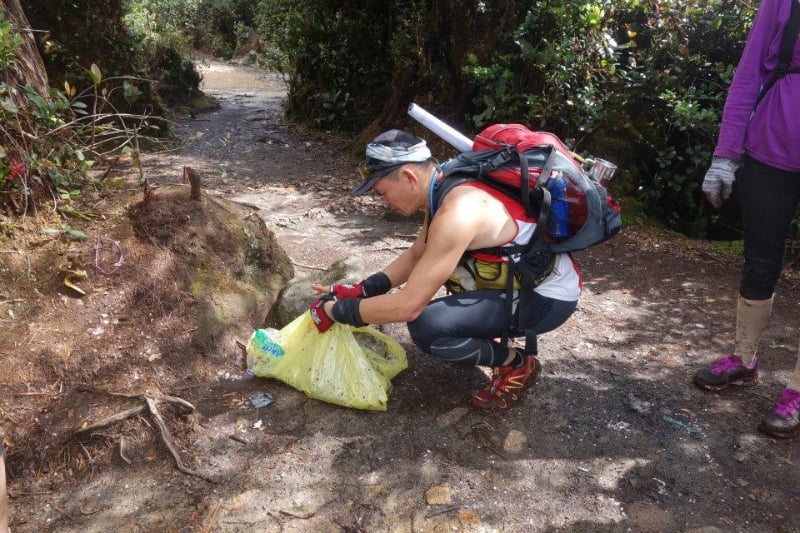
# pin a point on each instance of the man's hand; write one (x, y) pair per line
(318, 314)
(340, 290)
(719, 179)
(376, 284)
(347, 290)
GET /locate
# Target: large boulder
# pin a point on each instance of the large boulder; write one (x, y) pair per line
(298, 295)
(215, 261)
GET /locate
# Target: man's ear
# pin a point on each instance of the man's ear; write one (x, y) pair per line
(409, 175)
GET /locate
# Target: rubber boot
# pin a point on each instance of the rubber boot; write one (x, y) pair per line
(752, 318)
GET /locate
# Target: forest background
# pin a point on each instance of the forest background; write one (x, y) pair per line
(639, 83)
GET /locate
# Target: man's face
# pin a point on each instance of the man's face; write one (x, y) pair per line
(396, 192)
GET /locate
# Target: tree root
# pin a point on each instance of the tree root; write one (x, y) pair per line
(151, 402)
(112, 419)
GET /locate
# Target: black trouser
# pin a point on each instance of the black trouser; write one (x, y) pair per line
(768, 198)
(461, 328)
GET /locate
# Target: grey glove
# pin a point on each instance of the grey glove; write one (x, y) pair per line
(718, 183)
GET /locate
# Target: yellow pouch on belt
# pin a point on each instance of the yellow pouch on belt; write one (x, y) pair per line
(479, 275)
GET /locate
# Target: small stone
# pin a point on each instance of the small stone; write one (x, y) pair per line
(453, 416)
(468, 519)
(639, 405)
(691, 286)
(515, 441)
(438, 495)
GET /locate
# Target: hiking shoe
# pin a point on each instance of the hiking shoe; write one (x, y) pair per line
(505, 387)
(730, 370)
(784, 421)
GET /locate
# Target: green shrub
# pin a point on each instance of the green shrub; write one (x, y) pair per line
(330, 55)
(178, 80)
(48, 142)
(636, 82)
(221, 25)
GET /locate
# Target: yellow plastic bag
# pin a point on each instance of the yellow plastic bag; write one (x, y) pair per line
(347, 366)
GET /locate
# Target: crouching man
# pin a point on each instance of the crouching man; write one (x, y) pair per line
(464, 231)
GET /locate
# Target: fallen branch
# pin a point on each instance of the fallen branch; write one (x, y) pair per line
(302, 515)
(237, 438)
(108, 170)
(389, 248)
(113, 419)
(444, 510)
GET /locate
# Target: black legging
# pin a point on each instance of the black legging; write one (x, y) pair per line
(460, 328)
(768, 198)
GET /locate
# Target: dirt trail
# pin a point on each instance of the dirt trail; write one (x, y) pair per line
(613, 437)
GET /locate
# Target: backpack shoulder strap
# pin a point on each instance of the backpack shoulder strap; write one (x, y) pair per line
(466, 166)
(790, 34)
(441, 187)
(789, 37)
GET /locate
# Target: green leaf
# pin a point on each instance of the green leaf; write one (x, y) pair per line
(130, 92)
(9, 105)
(78, 234)
(95, 74)
(40, 102)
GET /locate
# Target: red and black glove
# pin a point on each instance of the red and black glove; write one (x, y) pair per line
(318, 314)
(374, 285)
(347, 290)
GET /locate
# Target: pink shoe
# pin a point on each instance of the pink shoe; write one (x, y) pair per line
(784, 421)
(730, 370)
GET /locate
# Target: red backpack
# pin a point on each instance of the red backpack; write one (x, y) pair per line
(573, 210)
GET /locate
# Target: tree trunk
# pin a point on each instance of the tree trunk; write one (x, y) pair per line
(29, 68)
(446, 33)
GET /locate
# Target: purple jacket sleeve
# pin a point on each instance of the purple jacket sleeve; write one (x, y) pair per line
(758, 61)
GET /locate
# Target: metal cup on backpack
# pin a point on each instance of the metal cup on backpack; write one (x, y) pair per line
(602, 171)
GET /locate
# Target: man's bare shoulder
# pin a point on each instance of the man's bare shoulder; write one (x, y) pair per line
(468, 197)
(474, 215)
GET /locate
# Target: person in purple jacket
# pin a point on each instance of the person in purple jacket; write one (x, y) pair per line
(759, 148)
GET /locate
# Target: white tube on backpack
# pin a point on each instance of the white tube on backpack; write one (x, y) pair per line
(452, 136)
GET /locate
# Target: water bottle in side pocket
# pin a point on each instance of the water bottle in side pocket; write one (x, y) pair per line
(558, 220)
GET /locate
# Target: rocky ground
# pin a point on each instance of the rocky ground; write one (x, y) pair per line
(613, 437)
